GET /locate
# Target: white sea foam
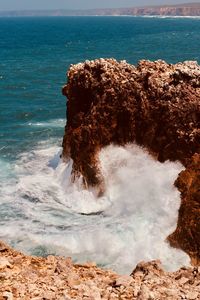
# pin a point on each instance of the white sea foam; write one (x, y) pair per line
(50, 123)
(170, 17)
(128, 224)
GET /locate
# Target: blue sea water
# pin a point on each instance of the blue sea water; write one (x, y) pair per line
(35, 54)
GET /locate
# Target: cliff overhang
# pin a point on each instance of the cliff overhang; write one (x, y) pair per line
(153, 104)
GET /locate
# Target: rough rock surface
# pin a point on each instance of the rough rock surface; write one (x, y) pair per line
(187, 234)
(156, 105)
(57, 278)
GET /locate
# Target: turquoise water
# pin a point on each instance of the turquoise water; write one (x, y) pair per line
(35, 54)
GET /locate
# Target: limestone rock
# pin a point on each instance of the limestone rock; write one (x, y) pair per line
(8, 295)
(147, 282)
(4, 263)
(187, 234)
(123, 280)
(193, 295)
(154, 104)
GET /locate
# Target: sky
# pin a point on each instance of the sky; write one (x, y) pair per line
(81, 4)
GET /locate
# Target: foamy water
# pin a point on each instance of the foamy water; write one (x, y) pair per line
(49, 124)
(42, 212)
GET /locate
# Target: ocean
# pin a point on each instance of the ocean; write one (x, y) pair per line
(41, 212)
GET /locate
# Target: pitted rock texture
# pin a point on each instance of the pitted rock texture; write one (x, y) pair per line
(187, 234)
(156, 105)
(25, 277)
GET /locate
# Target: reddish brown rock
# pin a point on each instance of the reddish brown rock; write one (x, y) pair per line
(187, 234)
(155, 104)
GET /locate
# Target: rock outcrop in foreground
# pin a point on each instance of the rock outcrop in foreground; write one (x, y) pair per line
(25, 277)
(156, 105)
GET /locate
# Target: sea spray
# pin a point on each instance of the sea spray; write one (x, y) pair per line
(128, 224)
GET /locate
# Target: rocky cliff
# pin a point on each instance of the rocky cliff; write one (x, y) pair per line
(187, 9)
(166, 10)
(156, 105)
(187, 234)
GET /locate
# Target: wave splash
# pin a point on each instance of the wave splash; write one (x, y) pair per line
(130, 223)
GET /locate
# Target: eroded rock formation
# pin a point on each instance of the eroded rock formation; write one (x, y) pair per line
(156, 105)
(36, 278)
(187, 234)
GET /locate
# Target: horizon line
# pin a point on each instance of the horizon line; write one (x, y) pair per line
(100, 8)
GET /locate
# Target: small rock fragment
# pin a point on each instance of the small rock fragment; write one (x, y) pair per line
(8, 295)
(183, 280)
(123, 280)
(193, 295)
(4, 263)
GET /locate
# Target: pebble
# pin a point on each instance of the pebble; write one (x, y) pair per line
(193, 295)
(124, 280)
(8, 296)
(4, 263)
(183, 280)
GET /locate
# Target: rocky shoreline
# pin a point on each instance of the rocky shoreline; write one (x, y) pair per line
(155, 105)
(57, 278)
(187, 9)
